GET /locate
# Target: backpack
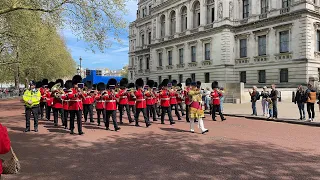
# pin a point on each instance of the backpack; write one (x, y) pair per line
(258, 96)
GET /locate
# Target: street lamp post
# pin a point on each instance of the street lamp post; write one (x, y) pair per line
(80, 65)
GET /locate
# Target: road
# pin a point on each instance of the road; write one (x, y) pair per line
(235, 149)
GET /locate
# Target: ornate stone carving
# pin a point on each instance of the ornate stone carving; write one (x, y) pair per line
(220, 10)
(231, 10)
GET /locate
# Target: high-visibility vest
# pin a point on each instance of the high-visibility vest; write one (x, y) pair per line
(33, 96)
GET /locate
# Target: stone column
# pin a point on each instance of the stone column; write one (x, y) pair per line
(273, 4)
(157, 30)
(203, 15)
(167, 26)
(178, 22)
(189, 18)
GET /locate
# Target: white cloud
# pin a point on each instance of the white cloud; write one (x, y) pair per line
(125, 49)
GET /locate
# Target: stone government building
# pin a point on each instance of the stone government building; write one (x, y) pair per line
(258, 42)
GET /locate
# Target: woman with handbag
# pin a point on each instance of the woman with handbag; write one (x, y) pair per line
(4, 143)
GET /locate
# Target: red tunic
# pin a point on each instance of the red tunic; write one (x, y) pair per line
(215, 97)
(49, 99)
(123, 96)
(75, 100)
(165, 98)
(111, 101)
(149, 98)
(57, 103)
(131, 101)
(43, 96)
(173, 97)
(88, 99)
(4, 143)
(179, 97)
(100, 103)
(185, 93)
(140, 101)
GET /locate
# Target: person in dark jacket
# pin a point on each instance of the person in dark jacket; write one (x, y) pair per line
(253, 95)
(300, 100)
(312, 98)
(274, 98)
(264, 102)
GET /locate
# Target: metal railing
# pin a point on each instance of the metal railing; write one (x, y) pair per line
(11, 94)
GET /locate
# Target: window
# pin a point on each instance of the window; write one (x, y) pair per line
(99, 73)
(245, 9)
(180, 78)
(131, 75)
(159, 80)
(262, 48)
(286, 3)
(149, 38)
(284, 75)
(206, 77)
(193, 54)
(184, 19)
(196, 14)
(143, 12)
(181, 56)
(142, 40)
(210, 11)
(173, 23)
(319, 74)
(284, 41)
(193, 77)
(88, 72)
(163, 25)
(264, 6)
(262, 76)
(243, 48)
(243, 76)
(160, 59)
(169, 77)
(141, 64)
(147, 63)
(150, 10)
(170, 57)
(318, 41)
(207, 51)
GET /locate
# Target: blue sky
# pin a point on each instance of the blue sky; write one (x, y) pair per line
(114, 58)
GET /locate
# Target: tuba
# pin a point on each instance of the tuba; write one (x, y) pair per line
(57, 90)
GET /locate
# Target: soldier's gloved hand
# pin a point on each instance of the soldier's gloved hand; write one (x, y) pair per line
(29, 102)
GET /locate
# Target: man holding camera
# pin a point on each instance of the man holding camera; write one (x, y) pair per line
(31, 98)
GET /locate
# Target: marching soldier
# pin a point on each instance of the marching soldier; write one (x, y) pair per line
(196, 111)
(49, 100)
(75, 104)
(165, 102)
(173, 98)
(43, 103)
(123, 99)
(88, 102)
(215, 96)
(100, 102)
(38, 86)
(131, 99)
(67, 91)
(140, 103)
(57, 103)
(187, 98)
(151, 111)
(111, 104)
(31, 98)
(180, 98)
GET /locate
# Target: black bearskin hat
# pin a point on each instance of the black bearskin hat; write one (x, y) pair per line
(198, 84)
(51, 84)
(112, 82)
(124, 82)
(88, 84)
(38, 84)
(45, 82)
(188, 81)
(165, 82)
(68, 84)
(139, 82)
(179, 85)
(101, 86)
(60, 81)
(155, 84)
(131, 85)
(150, 83)
(214, 84)
(174, 82)
(76, 79)
(94, 86)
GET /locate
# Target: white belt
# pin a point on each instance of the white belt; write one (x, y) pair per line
(173, 97)
(75, 100)
(123, 97)
(165, 99)
(216, 98)
(149, 98)
(140, 99)
(101, 101)
(110, 101)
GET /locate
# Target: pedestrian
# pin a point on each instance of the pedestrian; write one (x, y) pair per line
(4, 144)
(215, 96)
(31, 98)
(208, 98)
(274, 97)
(222, 92)
(270, 108)
(254, 93)
(312, 97)
(300, 99)
(265, 94)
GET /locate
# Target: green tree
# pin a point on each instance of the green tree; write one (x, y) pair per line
(124, 71)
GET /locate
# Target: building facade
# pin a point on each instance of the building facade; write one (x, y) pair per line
(258, 42)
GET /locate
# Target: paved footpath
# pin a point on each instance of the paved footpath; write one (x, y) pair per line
(238, 148)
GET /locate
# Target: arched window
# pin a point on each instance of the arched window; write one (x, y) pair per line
(162, 25)
(210, 11)
(196, 14)
(172, 23)
(184, 18)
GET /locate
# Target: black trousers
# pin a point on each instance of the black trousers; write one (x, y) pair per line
(73, 114)
(144, 113)
(43, 107)
(88, 108)
(113, 114)
(121, 108)
(181, 108)
(56, 112)
(275, 108)
(34, 111)
(216, 108)
(165, 110)
(65, 118)
(151, 112)
(158, 110)
(176, 110)
(133, 109)
(187, 113)
(99, 112)
(48, 112)
(310, 109)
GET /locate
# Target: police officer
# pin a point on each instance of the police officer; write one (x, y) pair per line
(31, 98)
